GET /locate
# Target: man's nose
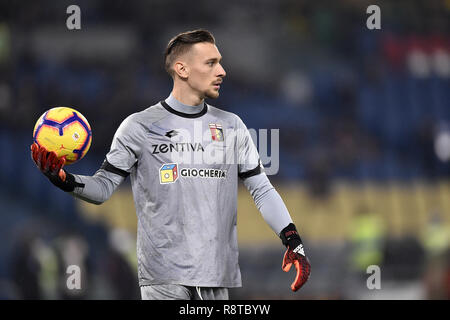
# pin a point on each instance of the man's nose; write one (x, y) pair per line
(221, 72)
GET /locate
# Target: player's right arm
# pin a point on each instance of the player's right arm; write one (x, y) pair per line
(98, 188)
(125, 150)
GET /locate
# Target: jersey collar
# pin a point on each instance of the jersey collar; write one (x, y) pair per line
(176, 107)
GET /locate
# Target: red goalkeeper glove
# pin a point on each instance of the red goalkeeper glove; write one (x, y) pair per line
(295, 254)
(52, 167)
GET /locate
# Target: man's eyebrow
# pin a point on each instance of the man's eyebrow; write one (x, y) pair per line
(214, 59)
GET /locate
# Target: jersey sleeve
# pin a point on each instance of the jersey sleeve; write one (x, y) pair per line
(124, 153)
(249, 163)
(125, 147)
(97, 188)
(269, 202)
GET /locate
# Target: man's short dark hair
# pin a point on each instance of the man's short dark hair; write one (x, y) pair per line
(181, 44)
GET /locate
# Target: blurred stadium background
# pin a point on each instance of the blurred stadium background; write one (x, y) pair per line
(364, 119)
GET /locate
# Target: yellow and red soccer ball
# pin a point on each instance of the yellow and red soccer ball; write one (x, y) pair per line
(65, 131)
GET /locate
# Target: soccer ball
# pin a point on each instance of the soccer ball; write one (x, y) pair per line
(64, 131)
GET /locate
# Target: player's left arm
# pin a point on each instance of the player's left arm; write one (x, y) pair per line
(271, 206)
(274, 211)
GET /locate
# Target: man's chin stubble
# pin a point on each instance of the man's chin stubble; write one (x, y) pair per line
(215, 95)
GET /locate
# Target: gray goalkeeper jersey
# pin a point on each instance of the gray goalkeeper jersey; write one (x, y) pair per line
(184, 163)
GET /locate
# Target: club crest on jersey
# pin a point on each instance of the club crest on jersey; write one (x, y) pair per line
(168, 173)
(216, 131)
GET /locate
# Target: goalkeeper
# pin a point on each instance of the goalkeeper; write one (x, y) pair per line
(187, 210)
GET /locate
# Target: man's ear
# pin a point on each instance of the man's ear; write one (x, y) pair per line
(181, 69)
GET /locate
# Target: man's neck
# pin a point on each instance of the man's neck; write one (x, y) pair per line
(186, 97)
(176, 105)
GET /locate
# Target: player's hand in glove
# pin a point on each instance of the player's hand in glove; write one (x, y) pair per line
(295, 254)
(52, 167)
